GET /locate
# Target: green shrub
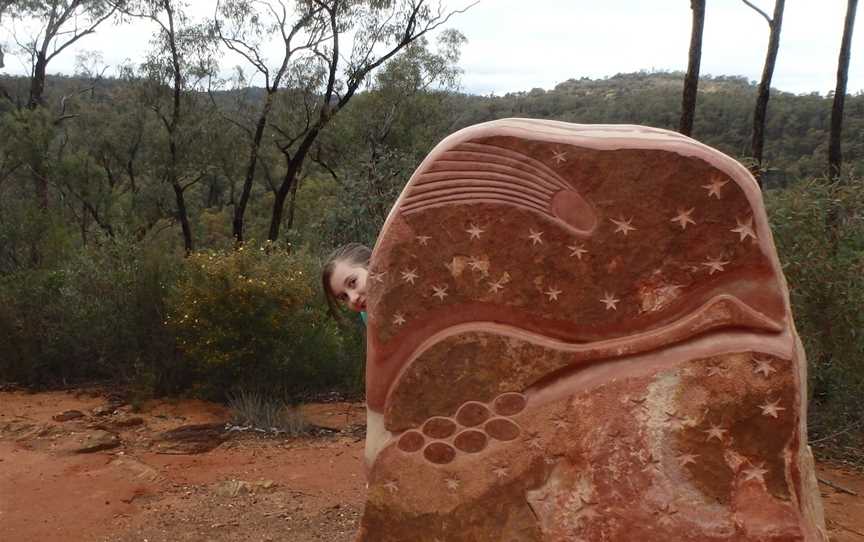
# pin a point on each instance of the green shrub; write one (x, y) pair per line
(98, 315)
(819, 230)
(253, 319)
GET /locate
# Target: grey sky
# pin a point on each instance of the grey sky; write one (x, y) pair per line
(518, 45)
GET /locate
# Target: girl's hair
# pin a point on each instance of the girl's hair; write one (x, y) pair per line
(353, 254)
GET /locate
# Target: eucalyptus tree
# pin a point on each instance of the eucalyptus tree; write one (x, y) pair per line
(244, 26)
(372, 148)
(108, 146)
(175, 71)
(775, 22)
(691, 80)
(61, 23)
(330, 48)
(4, 6)
(835, 151)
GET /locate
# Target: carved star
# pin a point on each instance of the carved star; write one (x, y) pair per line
(398, 319)
(666, 512)
(559, 156)
(391, 486)
(423, 240)
(687, 459)
(474, 231)
(683, 218)
(641, 403)
(453, 483)
(771, 408)
(652, 463)
(755, 472)
(674, 419)
(501, 472)
(714, 188)
(560, 423)
(610, 301)
(534, 441)
(377, 276)
(623, 226)
(477, 264)
(715, 264)
(763, 366)
(586, 508)
(410, 275)
(440, 292)
(744, 229)
(577, 250)
(716, 370)
(715, 431)
(553, 294)
(497, 285)
(535, 236)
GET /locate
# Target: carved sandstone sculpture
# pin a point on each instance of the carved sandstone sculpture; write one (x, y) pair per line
(583, 333)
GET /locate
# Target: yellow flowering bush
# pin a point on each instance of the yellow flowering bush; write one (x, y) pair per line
(252, 318)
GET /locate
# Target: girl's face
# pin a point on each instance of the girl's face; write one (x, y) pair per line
(348, 284)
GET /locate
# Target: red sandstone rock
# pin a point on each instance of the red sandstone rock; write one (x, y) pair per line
(583, 333)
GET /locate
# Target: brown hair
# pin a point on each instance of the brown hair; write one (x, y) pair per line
(353, 254)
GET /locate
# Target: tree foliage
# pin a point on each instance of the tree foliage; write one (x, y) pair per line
(151, 174)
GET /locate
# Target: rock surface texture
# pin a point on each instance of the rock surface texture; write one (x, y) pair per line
(582, 332)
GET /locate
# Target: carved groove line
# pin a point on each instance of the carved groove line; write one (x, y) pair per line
(506, 177)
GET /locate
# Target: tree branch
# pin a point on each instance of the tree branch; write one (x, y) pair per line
(760, 12)
(78, 36)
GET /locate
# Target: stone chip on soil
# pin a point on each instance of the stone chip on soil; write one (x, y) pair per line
(68, 415)
(191, 439)
(89, 441)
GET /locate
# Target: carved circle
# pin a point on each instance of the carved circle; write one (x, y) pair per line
(439, 453)
(439, 427)
(471, 441)
(472, 413)
(411, 441)
(509, 404)
(502, 429)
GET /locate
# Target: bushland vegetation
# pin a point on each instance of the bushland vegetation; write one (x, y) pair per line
(125, 255)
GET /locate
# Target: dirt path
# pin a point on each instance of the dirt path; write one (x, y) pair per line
(246, 488)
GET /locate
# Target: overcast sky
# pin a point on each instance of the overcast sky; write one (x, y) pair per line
(522, 44)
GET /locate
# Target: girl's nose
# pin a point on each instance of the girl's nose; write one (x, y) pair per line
(352, 296)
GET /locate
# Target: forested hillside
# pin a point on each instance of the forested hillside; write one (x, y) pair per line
(118, 250)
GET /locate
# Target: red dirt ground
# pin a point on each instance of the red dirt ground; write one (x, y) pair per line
(250, 487)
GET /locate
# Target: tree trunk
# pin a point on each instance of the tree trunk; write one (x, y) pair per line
(291, 177)
(691, 80)
(254, 149)
(292, 204)
(279, 204)
(37, 83)
(40, 183)
(835, 153)
(37, 99)
(84, 224)
(183, 216)
(763, 94)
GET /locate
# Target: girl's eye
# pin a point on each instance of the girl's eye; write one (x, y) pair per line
(352, 283)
